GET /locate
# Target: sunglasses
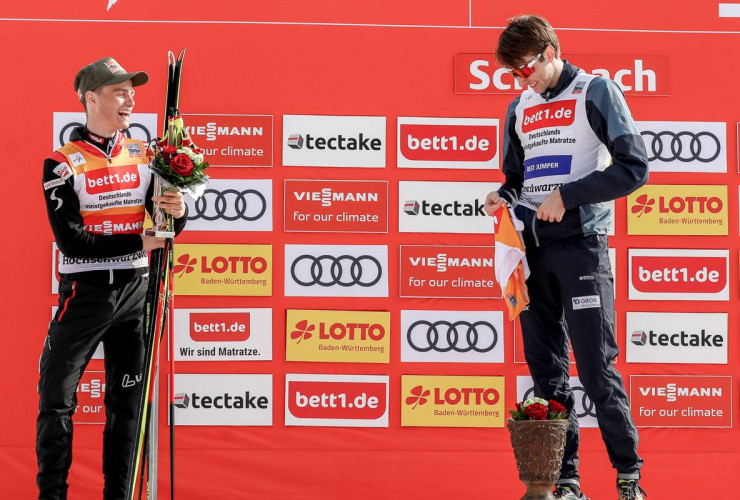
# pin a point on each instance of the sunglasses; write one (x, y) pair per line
(525, 70)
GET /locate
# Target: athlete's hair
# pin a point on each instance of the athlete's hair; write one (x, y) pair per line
(525, 35)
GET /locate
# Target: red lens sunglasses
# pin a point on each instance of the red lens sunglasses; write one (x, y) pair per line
(525, 70)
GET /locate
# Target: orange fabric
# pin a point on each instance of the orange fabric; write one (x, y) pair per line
(510, 262)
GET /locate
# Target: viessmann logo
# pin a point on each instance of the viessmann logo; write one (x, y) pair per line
(679, 210)
(327, 196)
(452, 401)
(670, 274)
(441, 262)
(113, 224)
(336, 400)
(233, 140)
(647, 75)
(448, 143)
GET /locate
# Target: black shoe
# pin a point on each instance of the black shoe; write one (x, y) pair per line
(629, 490)
(568, 492)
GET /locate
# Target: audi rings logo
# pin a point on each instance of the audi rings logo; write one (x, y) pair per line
(585, 409)
(134, 131)
(344, 270)
(446, 336)
(704, 147)
(229, 205)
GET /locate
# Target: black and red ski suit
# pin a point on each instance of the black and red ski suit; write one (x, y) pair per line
(96, 190)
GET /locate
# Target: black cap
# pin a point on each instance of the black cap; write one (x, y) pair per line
(106, 71)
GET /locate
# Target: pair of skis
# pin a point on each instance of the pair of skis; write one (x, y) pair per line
(159, 303)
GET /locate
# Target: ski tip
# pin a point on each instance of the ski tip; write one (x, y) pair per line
(182, 54)
(170, 57)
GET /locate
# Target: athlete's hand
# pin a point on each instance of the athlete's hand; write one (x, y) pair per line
(552, 208)
(493, 203)
(171, 202)
(152, 242)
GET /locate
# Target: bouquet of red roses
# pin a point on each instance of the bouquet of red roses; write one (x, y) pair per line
(539, 409)
(178, 161)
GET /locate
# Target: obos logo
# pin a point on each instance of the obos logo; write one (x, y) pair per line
(460, 143)
(648, 75)
(444, 207)
(232, 205)
(681, 400)
(233, 140)
(685, 146)
(585, 409)
(142, 126)
(448, 271)
(678, 209)
(336, 270)
(336, 206)
(670, 274)
(436, 401)
(334, 141)
(223, 334)
(90, 394)
(452, 336)
(243, 270)
(235, 399)
(338, 336)
(336, 400)
(676, 337)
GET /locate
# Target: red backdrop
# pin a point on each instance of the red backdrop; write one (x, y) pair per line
(356, 58)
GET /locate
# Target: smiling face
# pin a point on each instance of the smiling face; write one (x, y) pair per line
(109, 108)
(546, 71)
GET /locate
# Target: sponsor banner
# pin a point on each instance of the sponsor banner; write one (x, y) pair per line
(442, 401)
(334, 141)
(444, 207)
(638, 76)
(238, 270)
(142, 126)
(458, 143)
(336, 270)
(685, 146)
(338, 336)
(223, 334)
(678, 210)
(90, 396)
(584, 408)
(676, 337)
(681, 400)
(671, 274)
(336, 400)
(233, 140)
(452, 336)
(551, 114)
(98, 354)
(232, 205)
(448, 271)
(216, 399)
(336, 206)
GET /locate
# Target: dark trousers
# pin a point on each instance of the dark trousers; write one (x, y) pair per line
(88, 314)
(572, 295)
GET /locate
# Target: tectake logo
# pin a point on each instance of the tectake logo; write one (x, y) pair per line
(334, 141)
(444, 207)
(336, 206)
(671, 274)
(105, 180)
(681, 400)
(677, 337)
(215, 399)
(452, 401)
(336, 400)
(678, 210)
(459, 143)
(647, 75)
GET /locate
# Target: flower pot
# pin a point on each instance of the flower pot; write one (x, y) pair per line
(538, 447)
